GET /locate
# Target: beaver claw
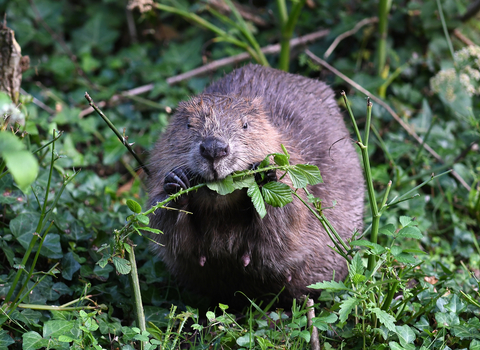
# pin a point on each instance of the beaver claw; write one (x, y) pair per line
(265, 177)
(175, 181)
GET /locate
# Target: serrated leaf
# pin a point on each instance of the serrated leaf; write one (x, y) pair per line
(311, 172)
(358, 278)
(405, 258)
(143, 219)
(243, 181)
(405, 220)
(299, 180)
(277, 194)
(121, 265)
(254, 193)
(356, 267)
(414, 251)
(388, 229)
(385, 318)
(223, 187)
(134, 206)
(329, 285)
(346, 308)
(410, 232)
(396, 250)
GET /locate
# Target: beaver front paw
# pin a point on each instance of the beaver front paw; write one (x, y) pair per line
(265, 177)
(176, 181)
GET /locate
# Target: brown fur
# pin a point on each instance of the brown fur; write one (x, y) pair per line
(224, 246)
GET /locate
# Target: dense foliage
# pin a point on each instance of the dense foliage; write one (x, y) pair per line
(413, 287)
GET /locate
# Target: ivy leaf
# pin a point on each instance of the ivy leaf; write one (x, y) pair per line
(55, 328)
(277, 194)
(347, 307)
(257, 199)
(311, 172)
(134, 206)
(385, 318)
(123, 266)
(405, 334)
(32, 340)
(5, 339)
(223, 187)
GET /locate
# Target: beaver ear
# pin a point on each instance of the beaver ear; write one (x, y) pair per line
(256, 105)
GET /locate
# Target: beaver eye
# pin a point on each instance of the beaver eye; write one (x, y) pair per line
(245, 125)
(189, 125)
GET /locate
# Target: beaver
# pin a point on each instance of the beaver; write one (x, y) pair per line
(217, 245)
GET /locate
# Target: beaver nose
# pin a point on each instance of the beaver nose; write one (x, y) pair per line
(212, 148)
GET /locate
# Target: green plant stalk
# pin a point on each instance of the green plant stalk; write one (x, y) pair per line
(424, 141)
(136, 293)
(248, 34)
(56, 308)
(338, 242)
(282, 12)
(391, 293)
(382, 91)
(383, 9)
(445, 29)
(203, 23)
(369, 180)
(350, 113)
(287, 33)
(16, 301)
(37, 230)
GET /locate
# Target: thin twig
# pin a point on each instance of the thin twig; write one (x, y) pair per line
(119, 135)
(463, 38)
(348, 33)
(212, 66)
(246, 12)
(314, 341)
(404, 125)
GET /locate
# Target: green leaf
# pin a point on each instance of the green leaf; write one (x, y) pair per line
(346, 308)
(210, 316)
(222, 187)
(51, 247)
(405, 220)
(455, 304)
(23, 226)
(243, 181)
(69, 266)
(323, 321)
(121, 265)
(257, 199)
(153, 230)
(277, 194)
(55, 328)
(329, 285)
(356, 267)
(405, 334)
(134, 206)
(474, 345)
(33, 340)
(21, 163)
(5, 339)
(143, 219)
(414, 251)
(388, 229)
(311, 172)
(299, 180)
(410, 232)
(385, 318)
(280, 159)
(247, 340)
